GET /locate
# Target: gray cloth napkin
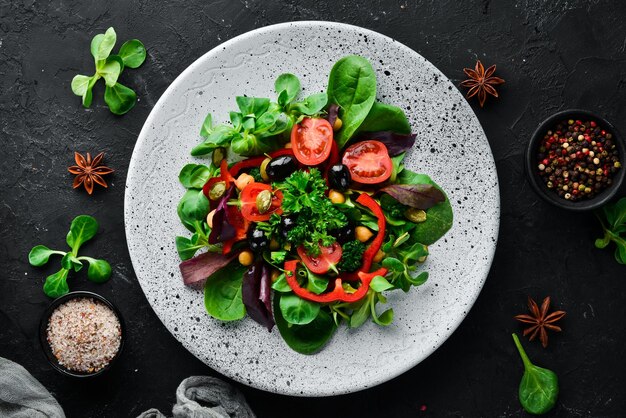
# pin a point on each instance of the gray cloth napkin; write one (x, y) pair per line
(206, 397)
(22, 396)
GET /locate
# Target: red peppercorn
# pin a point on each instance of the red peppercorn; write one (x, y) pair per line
(563, 152)
(593, 124)
(579, 154)
(603, 132)
(578, 122)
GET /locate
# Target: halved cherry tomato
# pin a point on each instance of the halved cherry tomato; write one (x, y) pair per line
(312, 140)
(325, 261)
(248, 198)
(368, 162)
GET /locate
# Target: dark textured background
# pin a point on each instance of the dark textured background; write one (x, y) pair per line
(556, 55)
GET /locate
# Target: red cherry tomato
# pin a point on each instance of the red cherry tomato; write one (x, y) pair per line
(248, 198)
(321, 264)
(312, 140)
(368, 162)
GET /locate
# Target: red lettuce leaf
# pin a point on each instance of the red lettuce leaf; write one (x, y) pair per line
(420, 196)
(256, 294)
(333, 111)
(223, 229)
(196, 270)
(396, 143)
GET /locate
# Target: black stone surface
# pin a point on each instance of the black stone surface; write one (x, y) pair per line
(554, 55)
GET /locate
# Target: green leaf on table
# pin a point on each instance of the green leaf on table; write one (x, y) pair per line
(612, 217)
(539, 388)
(223, 294)
(298, 311)
(109, 70)
(119, 98)
(71, 262)
(133, 53)
(82, 86)
(82, 229)
(102, 44)
(40, 254)
(56, 284)
(99, 271)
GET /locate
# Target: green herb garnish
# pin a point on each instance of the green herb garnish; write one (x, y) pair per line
(83, 229)
(118, 97)
(304, 196)
(612, 217)
(539, 387)
(352, 256)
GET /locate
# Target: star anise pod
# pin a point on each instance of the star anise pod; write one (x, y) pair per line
(89, 171)
(481, 82)
(540, 320)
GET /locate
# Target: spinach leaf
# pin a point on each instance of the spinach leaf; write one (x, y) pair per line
(40, 254)
(222, 293)
(119, 98)
(539, 388)
(305, 339)
(281, 285)
(133, 53)
(195, 206)
(194, 176)
(384, 117)
(56, 284)
(439, 218)
(612, 217)
(188, 247)
(298, 311)
(287, 87)
(82, 229)
(352, 86)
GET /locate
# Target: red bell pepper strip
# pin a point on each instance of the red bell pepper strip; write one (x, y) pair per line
(256, 161)
(338, 293)
(369, 254)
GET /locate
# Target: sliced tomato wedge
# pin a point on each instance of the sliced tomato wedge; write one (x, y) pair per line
(326, 261)
(248, 197)
(368, 162)
(312, 140)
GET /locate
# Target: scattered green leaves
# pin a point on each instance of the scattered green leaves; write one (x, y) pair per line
(612, 217)
(82, 229)
(120, 99)
(539, 387)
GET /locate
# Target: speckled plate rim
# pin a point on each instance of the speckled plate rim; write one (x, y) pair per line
(391, 372)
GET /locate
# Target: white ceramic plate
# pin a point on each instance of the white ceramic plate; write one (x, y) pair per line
(451, 147)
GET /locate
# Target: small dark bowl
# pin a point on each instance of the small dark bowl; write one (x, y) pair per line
(43, 333)
(549, 195)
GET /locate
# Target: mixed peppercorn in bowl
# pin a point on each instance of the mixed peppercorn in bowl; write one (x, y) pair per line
(574, 160)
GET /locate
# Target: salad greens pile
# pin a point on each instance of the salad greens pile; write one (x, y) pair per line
(119, 98)
(82, 229)
(320, 220)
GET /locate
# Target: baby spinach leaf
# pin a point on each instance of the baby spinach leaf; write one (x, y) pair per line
(385, 117)
(298, 311)
(82, 229)
(56, 284)
(102, 44)
(316, 284)
(287, 87)
(194, 176)
(133, 53)
(40, 254)
(352, 86)
(188, 247)
(70, 262)
(99, 271)
(281, 285)
(305, 339)
(222, 293)
(195, 205)
(119, 98)
(539, 388)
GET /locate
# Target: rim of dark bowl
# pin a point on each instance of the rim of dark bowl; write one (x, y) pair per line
(549, 195)
(43, 332)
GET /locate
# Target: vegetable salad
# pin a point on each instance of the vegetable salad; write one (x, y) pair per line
(317, 218)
